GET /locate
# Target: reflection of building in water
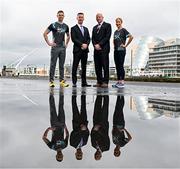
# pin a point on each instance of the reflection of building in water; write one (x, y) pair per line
(149, 108)
(167, 107)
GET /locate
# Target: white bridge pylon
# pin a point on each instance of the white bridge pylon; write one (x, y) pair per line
(19, 61)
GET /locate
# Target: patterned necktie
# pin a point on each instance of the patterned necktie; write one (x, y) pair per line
(98, 27)
(82, 29)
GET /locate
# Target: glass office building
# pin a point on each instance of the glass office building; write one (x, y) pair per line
(141, 53)
(165, 57)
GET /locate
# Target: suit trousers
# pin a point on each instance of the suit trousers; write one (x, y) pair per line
(101, 60)
(77, 57)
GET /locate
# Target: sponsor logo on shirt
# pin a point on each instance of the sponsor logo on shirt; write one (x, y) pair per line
(60, 30)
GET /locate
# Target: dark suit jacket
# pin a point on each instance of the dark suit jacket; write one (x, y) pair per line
(101, 139)
(78, 39)
(76, 136)
(79, 117)
(103, 36)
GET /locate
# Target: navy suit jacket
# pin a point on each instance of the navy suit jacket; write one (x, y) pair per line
(78, 38)
(102, 37)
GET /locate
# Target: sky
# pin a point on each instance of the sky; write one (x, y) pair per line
(24, 21)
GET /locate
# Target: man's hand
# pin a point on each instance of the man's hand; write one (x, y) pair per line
(83, 127)
(84, 46)
(97, 47)
(96, 127)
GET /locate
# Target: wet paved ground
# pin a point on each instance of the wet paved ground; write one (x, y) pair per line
(148, 111)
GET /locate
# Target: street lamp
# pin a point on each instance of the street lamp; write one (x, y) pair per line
(131, 61)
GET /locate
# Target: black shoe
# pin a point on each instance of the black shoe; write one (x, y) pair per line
(74, 85)
(86, 85)
(104, 85)
(97, 85)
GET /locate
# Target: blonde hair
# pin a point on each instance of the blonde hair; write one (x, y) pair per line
(119, 19)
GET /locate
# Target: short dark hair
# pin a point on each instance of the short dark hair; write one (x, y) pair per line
(60, 12)
(80, 13)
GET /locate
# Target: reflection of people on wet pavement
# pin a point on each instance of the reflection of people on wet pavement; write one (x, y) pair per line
(119, 131)
(79, 135)
(58, 126)
(99, 133)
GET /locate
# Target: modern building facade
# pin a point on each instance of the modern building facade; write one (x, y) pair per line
(30, 70)
(165, 57)
(141, 53)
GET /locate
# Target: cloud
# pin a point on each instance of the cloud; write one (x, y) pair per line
(23, 23)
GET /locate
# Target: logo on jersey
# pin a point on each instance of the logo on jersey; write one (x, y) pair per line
(117, 36)
(60, 30)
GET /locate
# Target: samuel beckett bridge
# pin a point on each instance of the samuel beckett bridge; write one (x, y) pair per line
(12, 68)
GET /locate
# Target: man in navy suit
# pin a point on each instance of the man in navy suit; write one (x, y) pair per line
(101, 41)
(81, 39)
(80, 134)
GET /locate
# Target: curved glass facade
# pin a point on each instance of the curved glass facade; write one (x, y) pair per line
(141, 53)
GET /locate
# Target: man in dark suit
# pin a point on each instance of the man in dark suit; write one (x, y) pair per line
(101, 41)
(81, 39)
(79, 135)
(99, 133)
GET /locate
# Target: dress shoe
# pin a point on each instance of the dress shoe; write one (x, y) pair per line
(86, 85)
(97, 85)
(104, 85)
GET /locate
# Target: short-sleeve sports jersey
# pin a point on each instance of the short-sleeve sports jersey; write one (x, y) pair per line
(119, 138)
(120, 37)
(58, 32)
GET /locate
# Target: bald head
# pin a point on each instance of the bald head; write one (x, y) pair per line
(99, 17)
